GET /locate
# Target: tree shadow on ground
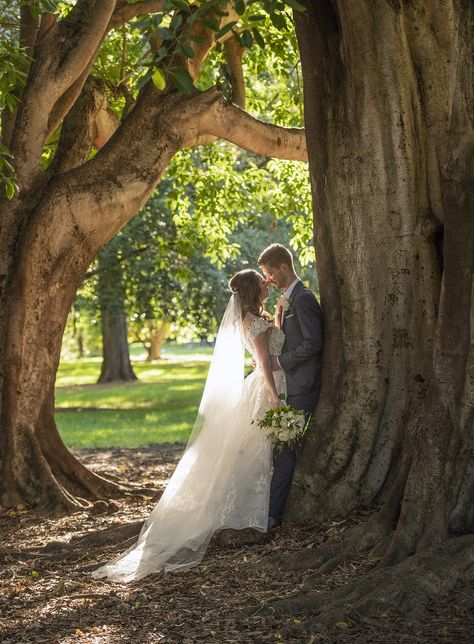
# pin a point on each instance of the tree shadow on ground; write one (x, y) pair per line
(48, 595)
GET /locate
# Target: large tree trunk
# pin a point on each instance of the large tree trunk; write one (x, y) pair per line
(36, 468)
(378, 219)
(390, 120)
(116, 365)
(437, 499)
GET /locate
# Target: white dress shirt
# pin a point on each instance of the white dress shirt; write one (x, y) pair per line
(289, 290)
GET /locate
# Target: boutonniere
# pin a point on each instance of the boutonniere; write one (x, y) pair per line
(285, 304)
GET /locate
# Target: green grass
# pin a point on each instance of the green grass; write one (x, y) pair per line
(159, 408)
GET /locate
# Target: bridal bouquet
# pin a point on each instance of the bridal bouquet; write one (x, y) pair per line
(284, 426)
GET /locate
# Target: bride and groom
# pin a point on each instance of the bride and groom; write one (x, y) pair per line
(225, 477)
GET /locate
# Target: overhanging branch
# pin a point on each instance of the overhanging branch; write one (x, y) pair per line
(125, 12)
(228, 121)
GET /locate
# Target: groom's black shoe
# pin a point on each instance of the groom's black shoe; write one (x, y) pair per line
(273, 522)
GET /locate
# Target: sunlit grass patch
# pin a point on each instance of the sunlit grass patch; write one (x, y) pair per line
(158, 408)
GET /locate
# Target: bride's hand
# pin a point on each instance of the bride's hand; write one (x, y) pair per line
(276, 403)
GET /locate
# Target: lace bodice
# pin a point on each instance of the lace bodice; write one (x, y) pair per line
(254, 326)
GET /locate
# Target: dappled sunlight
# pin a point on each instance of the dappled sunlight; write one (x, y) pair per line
(159, 408)
(143, 396)
(131, 428)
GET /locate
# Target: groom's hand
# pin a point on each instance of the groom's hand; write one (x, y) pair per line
(275, 364)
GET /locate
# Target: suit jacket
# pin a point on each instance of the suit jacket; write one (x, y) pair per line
(302, 351)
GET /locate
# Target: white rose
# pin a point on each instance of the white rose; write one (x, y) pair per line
(283, 303)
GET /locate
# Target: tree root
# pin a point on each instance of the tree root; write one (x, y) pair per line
(334, 551)
(71, 473)
(109, 536)
(405, 588)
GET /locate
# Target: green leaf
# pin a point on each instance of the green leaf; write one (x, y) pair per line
(246, 39)
(186, 50)
(211, 23)
(278, 20)
(144, 79)
(193, 38)
(225, 29)
(258, 37)
(159, 80)
(182, 80)
(165, 33)
(10, 189)
(294, 4)
(176, 21)
(181, 4)
(4, 150)
(160, 54)
(7, 165)
(239, 6)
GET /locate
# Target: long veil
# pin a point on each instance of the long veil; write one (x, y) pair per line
(216, 483)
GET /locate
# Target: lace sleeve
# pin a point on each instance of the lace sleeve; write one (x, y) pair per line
(256, 326)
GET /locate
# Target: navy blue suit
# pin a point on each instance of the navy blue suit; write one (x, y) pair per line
(301, 362)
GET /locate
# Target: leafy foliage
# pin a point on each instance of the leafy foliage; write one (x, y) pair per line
(217, 207)
(211, 216)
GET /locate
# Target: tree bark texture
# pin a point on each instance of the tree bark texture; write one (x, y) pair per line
(65, 231)
(389, 121)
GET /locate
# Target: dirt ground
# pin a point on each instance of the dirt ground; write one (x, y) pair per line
(47, 594)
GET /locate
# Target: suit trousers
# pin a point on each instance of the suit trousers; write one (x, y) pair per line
(284, 463)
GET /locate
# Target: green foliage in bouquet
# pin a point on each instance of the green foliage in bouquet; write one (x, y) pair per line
(284, 426)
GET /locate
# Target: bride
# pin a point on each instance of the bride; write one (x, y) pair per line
(223, 478)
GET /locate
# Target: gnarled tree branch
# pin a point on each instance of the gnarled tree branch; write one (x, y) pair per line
(206, 34)
(122, 14)
(233, 53)
(89, 123)
(91, 21)
(228, 121)
(125, 12)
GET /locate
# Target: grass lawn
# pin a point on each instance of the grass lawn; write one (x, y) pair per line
(159, 408)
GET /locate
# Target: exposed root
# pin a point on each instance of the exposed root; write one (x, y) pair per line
(52, 481)
(406, 588)
(70, 472)
(112, 535)
(334, 551)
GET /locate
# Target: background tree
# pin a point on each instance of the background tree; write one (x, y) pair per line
(116, 365)
(176, 255)
(65, 208)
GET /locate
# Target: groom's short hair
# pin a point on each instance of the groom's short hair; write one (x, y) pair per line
(275, 255)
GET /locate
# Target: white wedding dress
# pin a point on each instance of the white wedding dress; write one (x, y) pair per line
(223, 478)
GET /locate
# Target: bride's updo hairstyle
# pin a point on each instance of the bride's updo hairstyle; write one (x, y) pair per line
(247, 284)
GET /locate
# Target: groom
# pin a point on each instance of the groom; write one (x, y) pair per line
(300, 359)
